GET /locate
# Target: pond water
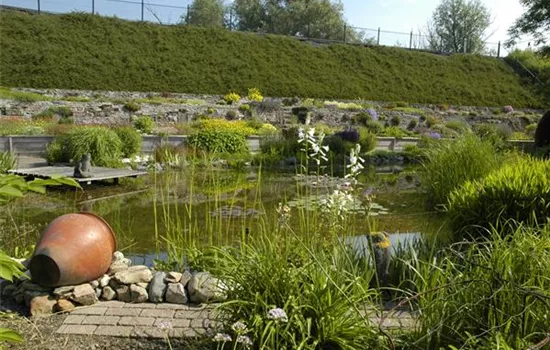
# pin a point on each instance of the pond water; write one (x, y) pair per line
(219, 206)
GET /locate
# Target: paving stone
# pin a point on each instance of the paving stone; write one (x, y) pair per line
(122, 312)
(112, 304)
(77, 329)
(117, 331)
(74, 319)
(197, 323)
(190, 314)
(89, 311)
(182, 332)
(136, 321)
(148, 332)
(175, 323)
(140, 306)
(173, 306)
(157, 313)
(101, 320)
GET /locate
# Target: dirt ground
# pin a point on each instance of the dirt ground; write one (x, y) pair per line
(39, 334)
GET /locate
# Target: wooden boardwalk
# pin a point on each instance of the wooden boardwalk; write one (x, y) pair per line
(100, 173)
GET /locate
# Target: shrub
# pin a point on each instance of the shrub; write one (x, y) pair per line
(131, 140)
(361, 118)
(431, 121)
(302, 113)
(144, 124)
(497, 134)
(350, 135)
(519, 191)
(375, 127)
(395, 120)
(542, 133)
(66, 121)
(267, 129)
(337, 145)
(402, 104)
(412, 124)
(530, 129)
(394, 131)
(231, 115)
(102, 143)
(254, 123)
(254, 94)
(449, 164)
(239, 127)
(367, 140)
(459, 126)
(8, 161)
(219, 141)
(170, 155)
(132, 106)
(288, 102)
(61, 111)
(245, 108)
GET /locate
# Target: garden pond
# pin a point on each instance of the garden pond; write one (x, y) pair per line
(213, 206)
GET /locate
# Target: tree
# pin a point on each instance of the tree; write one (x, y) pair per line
(459, 26)
(320, 19)
(205, 13)
(535, 21)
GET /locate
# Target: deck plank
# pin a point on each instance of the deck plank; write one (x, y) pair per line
(100, 173)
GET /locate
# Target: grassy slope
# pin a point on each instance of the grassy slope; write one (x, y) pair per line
(80, 51)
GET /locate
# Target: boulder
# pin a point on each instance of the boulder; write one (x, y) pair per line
(185, 278)
(84, 294)
(123, 293)
(157, 287)
(176, 294)
(204, 288)
(138, 294)
(104, 281)
(42, 305)
(172, 277)
(64, 305)
(134, 274)
(64, 290)
(94, 284)
(117, 266)
(108, 293)
(117, 256)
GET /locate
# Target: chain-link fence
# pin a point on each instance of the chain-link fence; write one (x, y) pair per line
(165, 14)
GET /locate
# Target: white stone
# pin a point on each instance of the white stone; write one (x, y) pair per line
(84, 294)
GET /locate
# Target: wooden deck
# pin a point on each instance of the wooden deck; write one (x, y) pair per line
(100, 173)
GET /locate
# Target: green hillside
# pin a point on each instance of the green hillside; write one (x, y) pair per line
(79, 51)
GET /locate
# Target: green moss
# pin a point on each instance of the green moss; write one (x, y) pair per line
(148, 57)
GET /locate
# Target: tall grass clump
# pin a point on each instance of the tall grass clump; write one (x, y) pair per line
(103, 144)
(474, 295)
(450, 163)
(8, 161)
(519, 190)
(293, 295)
(131, 140)
(218, 142)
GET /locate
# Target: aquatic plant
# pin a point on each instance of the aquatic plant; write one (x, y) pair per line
(8, 161)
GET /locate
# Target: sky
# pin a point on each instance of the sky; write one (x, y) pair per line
(389, 15)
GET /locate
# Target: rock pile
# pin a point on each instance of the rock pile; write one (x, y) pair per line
(123, 282)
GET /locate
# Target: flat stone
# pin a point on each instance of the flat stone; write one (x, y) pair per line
(84, 294)
(185, 278)
(31, 294)
(64, 290)
(107, 293)
(173, 277)
(143, 285)
(94, 284)
(94, 310)
(164, 313)
(74, 319)
(138, 294)
(103, 320)
(117, 267)
(180, 323)
(123, 293)
(176, 293)
(205, 288)
(148, 332)
(137, 321)
(104, 281)
(77, 329)
(42, 305)
(123, 312)
(134, 274)
(63, 305)
(115, 331)
(157, 287)
(98, 292)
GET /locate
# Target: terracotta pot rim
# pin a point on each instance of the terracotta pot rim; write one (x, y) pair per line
(106, 224)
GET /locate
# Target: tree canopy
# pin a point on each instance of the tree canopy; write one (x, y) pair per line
(205, 13)
(535, 21)
(459, 26)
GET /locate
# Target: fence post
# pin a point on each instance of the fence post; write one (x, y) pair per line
(498, 50)
(411, 41)
(230, 19)
(142, 5)
(10, 144)
(187, 15)
(38, 6)
(93, 7)
(378, 40)
(465, 45)
(345, 27)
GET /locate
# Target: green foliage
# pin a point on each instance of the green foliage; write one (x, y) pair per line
(231, 115)
(267, 129)
(102, 143)
(254, 123)
(367, 140)
(321, 290)
(535, 22)
(9, 335)
(13, 186)
(239, 61)
(131, 140)
(431, 121)
(361, 118)
(495, 288)
(205, 13)
(22, 96)
(61, 111)
(375, 127)
(254, 94)
(412, 124)
(519, 191)
(449, 164)
(231, 98)
(529, 63)
(395, 120)
(245, 108)
(10, 269)
(171, 155)
(144, 124)
(19, 126)
(8, 161)
(530, 129)
(496, 134)
(460, 126)
(132, 106)
(394, 131)
(217, 141)
(238, 127)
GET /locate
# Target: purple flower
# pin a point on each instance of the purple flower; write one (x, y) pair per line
(239, 327)
(245, 340)
(165, 325)
(435, 135)
(277, 314)
(222, 337)
(373, 113)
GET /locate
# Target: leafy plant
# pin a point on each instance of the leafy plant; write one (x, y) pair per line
(395, 120)
(131, 140)
(254, 94)
(519, 191)
(144, 124)
(218, 141)
(231, 98)
(412, 124)
(238, 126)
(132, 106)
(8, 161)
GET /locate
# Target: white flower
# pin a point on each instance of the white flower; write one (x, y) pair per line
(222, 337)
(277, 314)
(239, 327)
(245, 340)
(165, 325)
